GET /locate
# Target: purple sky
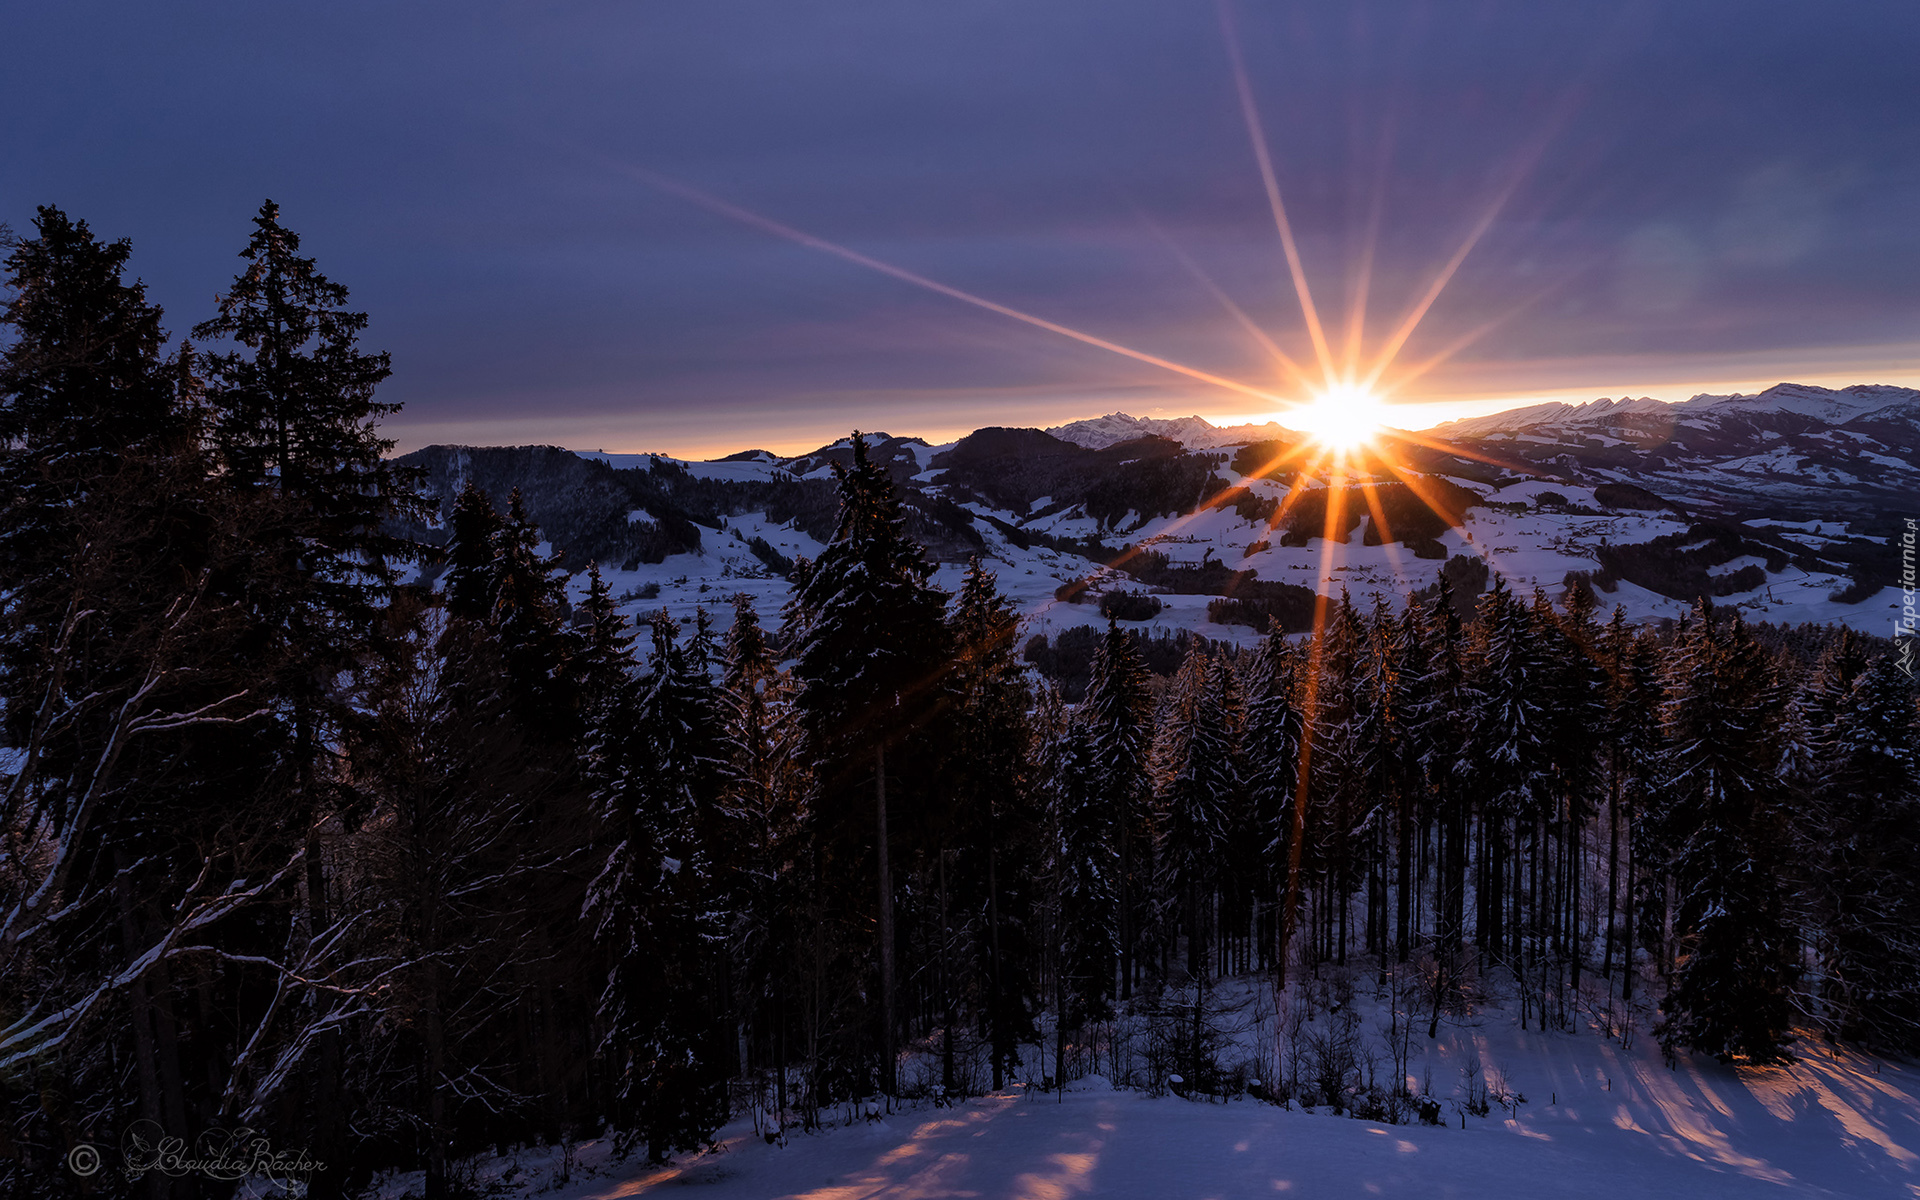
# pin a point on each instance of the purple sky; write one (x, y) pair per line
(1699, 194)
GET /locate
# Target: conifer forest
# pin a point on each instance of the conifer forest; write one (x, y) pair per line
(393, 851)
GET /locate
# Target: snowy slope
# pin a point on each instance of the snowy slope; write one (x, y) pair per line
(1811, 450)
(1195, 432)
(1599, 1119)
(1823, 473)
(1530, 547)
(1557, 420)
(1553, 415)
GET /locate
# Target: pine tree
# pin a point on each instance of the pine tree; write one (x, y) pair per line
(470, 562)
(983, 827)
(1574, 712)
(82, 382)
(86, 409)
(1631, 745)
(605, 649)
(1510, 753)
(872, 644)
(1409, 701)
(295, 412)
(1868, 832)
(1721, 822)
(1198, 766)
(438, 922)
(1118, 712)
(657, 767)
(526, 607)
(1343, 759)
(140, 808)
(1082, 864)
(1441, 734)
(764, 797)
(1275, 738)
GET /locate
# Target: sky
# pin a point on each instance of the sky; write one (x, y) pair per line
(617, 225)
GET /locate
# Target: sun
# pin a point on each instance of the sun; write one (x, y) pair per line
(1340, 418)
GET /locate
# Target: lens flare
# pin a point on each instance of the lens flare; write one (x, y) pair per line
(1340, 418)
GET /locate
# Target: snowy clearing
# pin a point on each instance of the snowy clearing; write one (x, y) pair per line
(1597, 1120)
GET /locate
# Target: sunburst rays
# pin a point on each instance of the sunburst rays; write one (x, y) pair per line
(1343, 412)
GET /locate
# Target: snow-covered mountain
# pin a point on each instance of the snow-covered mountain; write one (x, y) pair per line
(1097, 433)
(1793, 450)
(1788, 504)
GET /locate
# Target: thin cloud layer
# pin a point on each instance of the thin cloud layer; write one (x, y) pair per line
(1686, 189)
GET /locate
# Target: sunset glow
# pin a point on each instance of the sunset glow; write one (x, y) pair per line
(1341, 418)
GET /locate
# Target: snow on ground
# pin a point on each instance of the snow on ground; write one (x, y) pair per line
(1528, 545)
(1599, 1119)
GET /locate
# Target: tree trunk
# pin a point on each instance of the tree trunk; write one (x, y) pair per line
(886, 923)
(1126, 894)
(1630, 934)
(1403, 909)
(995, 1023)
(1572, 872)
(1613, 867)
(946, 986)
(140, 1010)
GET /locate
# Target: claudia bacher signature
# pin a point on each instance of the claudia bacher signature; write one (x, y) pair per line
(227, 1155)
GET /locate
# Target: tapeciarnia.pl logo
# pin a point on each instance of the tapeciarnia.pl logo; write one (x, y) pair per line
(1906, 630)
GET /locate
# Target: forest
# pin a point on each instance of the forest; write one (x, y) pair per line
(396, 853)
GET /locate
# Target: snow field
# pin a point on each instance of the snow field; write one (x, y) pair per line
(1602, 1117)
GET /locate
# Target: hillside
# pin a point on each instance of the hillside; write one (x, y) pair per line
(1785, 504)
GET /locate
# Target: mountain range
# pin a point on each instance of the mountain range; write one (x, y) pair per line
(1788, 504)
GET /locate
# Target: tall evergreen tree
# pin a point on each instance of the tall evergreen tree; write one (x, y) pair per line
(1082, 864)
(526, 609)
(1118, 712)
(1274, 741)
(1510, 751)
(1721, 822)
(765, 794)
(984, 824)
(295, 411)
(472, 526)
(1868, 831)
(1441, 732)
(658, 770)
(1198, 764)
(872, 647)
(82, 382)
(141, 810)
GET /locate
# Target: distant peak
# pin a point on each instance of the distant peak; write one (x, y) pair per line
(1194, 432)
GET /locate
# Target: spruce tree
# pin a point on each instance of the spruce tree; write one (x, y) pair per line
(142, 788)
(1118, 712)
(872, 644)
(1868, 833)
(1509, 751)
(526, 609)
(605, 644)
(764, 797)
(657, 765)
(294, 411)
(983, 824)
(470, 555)
(1721, 822)
(1198, 765)
(1274, 740)
(82, 381)
(1082, 864)
(1441, 727)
